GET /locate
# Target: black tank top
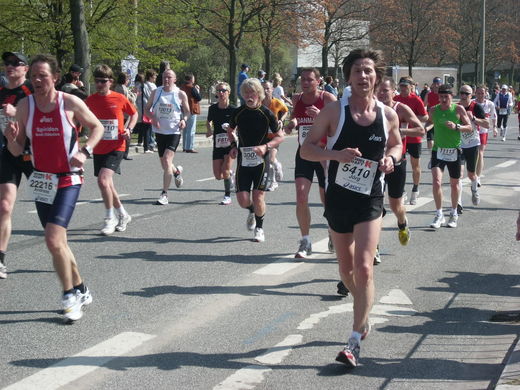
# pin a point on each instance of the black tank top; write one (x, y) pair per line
(371, 142)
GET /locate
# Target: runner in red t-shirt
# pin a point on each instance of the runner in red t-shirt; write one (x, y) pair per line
(432, 99)
(413, 144)
(110, 107)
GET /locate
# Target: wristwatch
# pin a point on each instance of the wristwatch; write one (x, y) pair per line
(86, 150)
(457, 127)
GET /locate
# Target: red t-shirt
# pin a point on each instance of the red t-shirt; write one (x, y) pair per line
(416, 104)
(109, 109)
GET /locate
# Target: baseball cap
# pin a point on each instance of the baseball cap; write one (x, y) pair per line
(243, 66)
(76, 68)
(261, 72)
(20, 56)
(405, 81)
(505, 87)
(437, 80)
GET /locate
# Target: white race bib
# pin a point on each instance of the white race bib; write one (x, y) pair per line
(470, 140)
(43, 186)
(165, 111)
(447, 154)
(357, 175)
(3, 121)
(303, 131)
(111, 129)
(502, 111)
(222, 140)
(249, 157)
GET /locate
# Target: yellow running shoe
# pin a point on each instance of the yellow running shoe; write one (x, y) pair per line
(404, 235)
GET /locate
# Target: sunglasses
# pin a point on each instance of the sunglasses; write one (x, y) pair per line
(102, 81)
(14, 63)
(222, 90)
(464, 93)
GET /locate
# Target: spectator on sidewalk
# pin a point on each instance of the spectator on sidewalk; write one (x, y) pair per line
(192, 90)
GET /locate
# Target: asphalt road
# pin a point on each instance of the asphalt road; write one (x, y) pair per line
(185, 300)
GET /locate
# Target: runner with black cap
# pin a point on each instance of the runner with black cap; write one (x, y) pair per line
(11, 168)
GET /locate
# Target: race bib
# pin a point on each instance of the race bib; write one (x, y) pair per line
(222, 140)
(502, 111)
(111, 127)
(3, 121)
(303, 131)
(249, 157)
(472, 139)
(43, 186)
(165, 111)
(357, 175)
(447, 154)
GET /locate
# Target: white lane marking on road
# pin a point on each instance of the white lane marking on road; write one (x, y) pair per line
(244, 379)
(280, 351)
(74, 367)
(421, 201)
(506, 164)
(392, 310)
(315, 318)
(206, 179)
(282, 266)
(396, 297)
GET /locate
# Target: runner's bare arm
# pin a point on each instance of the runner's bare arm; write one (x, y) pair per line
(185, 108)
(415, 128)
(15, 130)
(394, 145)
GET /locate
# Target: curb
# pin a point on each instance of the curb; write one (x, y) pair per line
(510, 377)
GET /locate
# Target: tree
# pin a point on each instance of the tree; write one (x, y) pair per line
(81, 41)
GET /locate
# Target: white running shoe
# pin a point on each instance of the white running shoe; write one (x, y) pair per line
(226, 201)
(251, 222)
(304, 249)
(163, 199)
(71, 308)
(3, 271)
(278, 171)
(178, 179)
(273, 186)
(123, 221)
(84, 298)
(475, 197)
(452, 222)
(437, 221)
(110, 226)
(259, 235)
(413, 198)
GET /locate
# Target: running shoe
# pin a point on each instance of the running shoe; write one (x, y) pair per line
(438, 221)
(178, 177)
(259, 235)
(404, 235)
(304, 250)
(342, 289)
(110, 226)
(350, 354)
(84, 298)
(226, 201)
(475, 198)
(273, 186)
(3, 271)
(331, 245)
(71, 308)
(460, 209)
(503, 139)
(148, 151)
(377, 257)
(251, 222)
(163, 199)
(123, 221)
(413, 198)
(278, 171)
(452, 222)
(478, 183)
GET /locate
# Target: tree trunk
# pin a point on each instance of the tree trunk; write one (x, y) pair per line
(324, 60)
(267, 61)
(81, 40)
(233, 73)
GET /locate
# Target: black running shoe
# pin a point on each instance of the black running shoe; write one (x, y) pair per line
(342, 289)
(460, 209)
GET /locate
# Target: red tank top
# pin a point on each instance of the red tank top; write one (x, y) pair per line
(433, 99)
(305, 121)
(54, 140)
(402, 125)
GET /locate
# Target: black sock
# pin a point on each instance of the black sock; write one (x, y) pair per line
(164, 192)
(251, 209)
(2, 257)
(415, 188)
(401, 226)
(227, 186)
(259, 221)
(71, 291)
(81, 287)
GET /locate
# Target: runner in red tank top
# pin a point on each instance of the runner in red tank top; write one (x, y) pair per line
(56, 187)
(307, 105)
(430, 100)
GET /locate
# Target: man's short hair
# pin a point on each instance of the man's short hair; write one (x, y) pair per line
(149, 74)
(103, 72)
(188, 76)
(48, 59)
(375, 55)
(313, 70)
(390, 80)
(254, 85)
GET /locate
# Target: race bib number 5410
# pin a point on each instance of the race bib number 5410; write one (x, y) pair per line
(357, 175)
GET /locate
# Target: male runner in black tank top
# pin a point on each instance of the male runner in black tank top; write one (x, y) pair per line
(366, 146)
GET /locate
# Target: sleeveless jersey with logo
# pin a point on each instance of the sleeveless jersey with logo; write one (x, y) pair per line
(371, 142)
(305, 121)
(470, 140)
(54, 140)
(11, 96)
(167, 108)
(444, 137)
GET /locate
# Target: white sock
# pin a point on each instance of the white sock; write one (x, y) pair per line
(474, 185)
(121, 211)
(109, 213)
(356, 335)
(439, 213)
(454, 211)
(306, 238)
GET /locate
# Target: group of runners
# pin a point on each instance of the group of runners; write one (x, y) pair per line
(353, 145)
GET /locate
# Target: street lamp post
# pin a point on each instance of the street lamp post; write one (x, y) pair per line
(483, 44)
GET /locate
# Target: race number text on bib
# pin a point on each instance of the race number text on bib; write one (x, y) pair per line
(502, 111)
(447, 154)
(470, 139)
(222, 140)
(303, 132)
(249, 157)
(357, 175)
(165, 111)
(111, 127)
(43, 186)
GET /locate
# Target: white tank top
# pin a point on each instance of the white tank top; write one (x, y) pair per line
(167, 109)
